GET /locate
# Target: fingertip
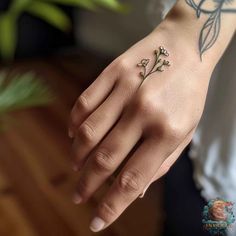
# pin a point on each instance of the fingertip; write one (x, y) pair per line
(77, 199)
(71, 128)
(75, 168)
(71, 133)
(97, 224)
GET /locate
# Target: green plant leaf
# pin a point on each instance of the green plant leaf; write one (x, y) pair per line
(22, 91)
(50, 13)
(87, 4)
(17, 6)
(93, 4)
(8, 36)
(113, 5)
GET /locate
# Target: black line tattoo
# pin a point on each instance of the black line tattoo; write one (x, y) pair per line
(158, 64)
(211, 29)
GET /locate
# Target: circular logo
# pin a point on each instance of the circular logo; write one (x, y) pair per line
(218, 216)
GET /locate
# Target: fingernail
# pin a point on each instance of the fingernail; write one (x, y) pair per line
(70, 133)
(97, 224)
(75, 168)
(77, 199)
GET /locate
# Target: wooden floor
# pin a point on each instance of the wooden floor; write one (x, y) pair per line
(36, 180)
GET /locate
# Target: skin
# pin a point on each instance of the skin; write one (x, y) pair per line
(157, 116)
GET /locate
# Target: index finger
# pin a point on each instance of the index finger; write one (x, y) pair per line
(89, 100)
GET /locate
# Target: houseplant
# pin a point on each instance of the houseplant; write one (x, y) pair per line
(53, 12)
(21, 91)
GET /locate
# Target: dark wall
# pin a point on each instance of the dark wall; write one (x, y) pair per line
(36, 37)
(4, 5)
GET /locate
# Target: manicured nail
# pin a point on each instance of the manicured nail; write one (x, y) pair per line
(97, 224)
(77, 199)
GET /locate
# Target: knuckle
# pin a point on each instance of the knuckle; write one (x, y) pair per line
(86, 133)
(82, 102)
(130, 181)
(107, 210)
(145, 104)
(172, 130)
(123, 64)
(103, 161)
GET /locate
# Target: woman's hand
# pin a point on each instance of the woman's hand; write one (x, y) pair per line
(121, 110)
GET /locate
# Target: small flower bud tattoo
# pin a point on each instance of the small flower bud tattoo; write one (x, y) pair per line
(158, 64)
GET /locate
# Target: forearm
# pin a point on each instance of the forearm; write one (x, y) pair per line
(206, 26)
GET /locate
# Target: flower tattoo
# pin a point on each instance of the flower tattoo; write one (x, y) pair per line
(158, 64)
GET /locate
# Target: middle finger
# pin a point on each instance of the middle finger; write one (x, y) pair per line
(108, 156)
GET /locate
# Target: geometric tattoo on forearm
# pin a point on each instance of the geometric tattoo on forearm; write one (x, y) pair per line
(158, 64)
(211, 28)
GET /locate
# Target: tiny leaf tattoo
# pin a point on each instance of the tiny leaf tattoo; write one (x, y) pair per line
(209, 32)
(158, 64)
(211, 28)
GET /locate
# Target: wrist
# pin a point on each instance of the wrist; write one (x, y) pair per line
(182, 44)
(181, 31)
(206, 39)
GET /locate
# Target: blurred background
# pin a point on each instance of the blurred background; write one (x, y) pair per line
(50, 51)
